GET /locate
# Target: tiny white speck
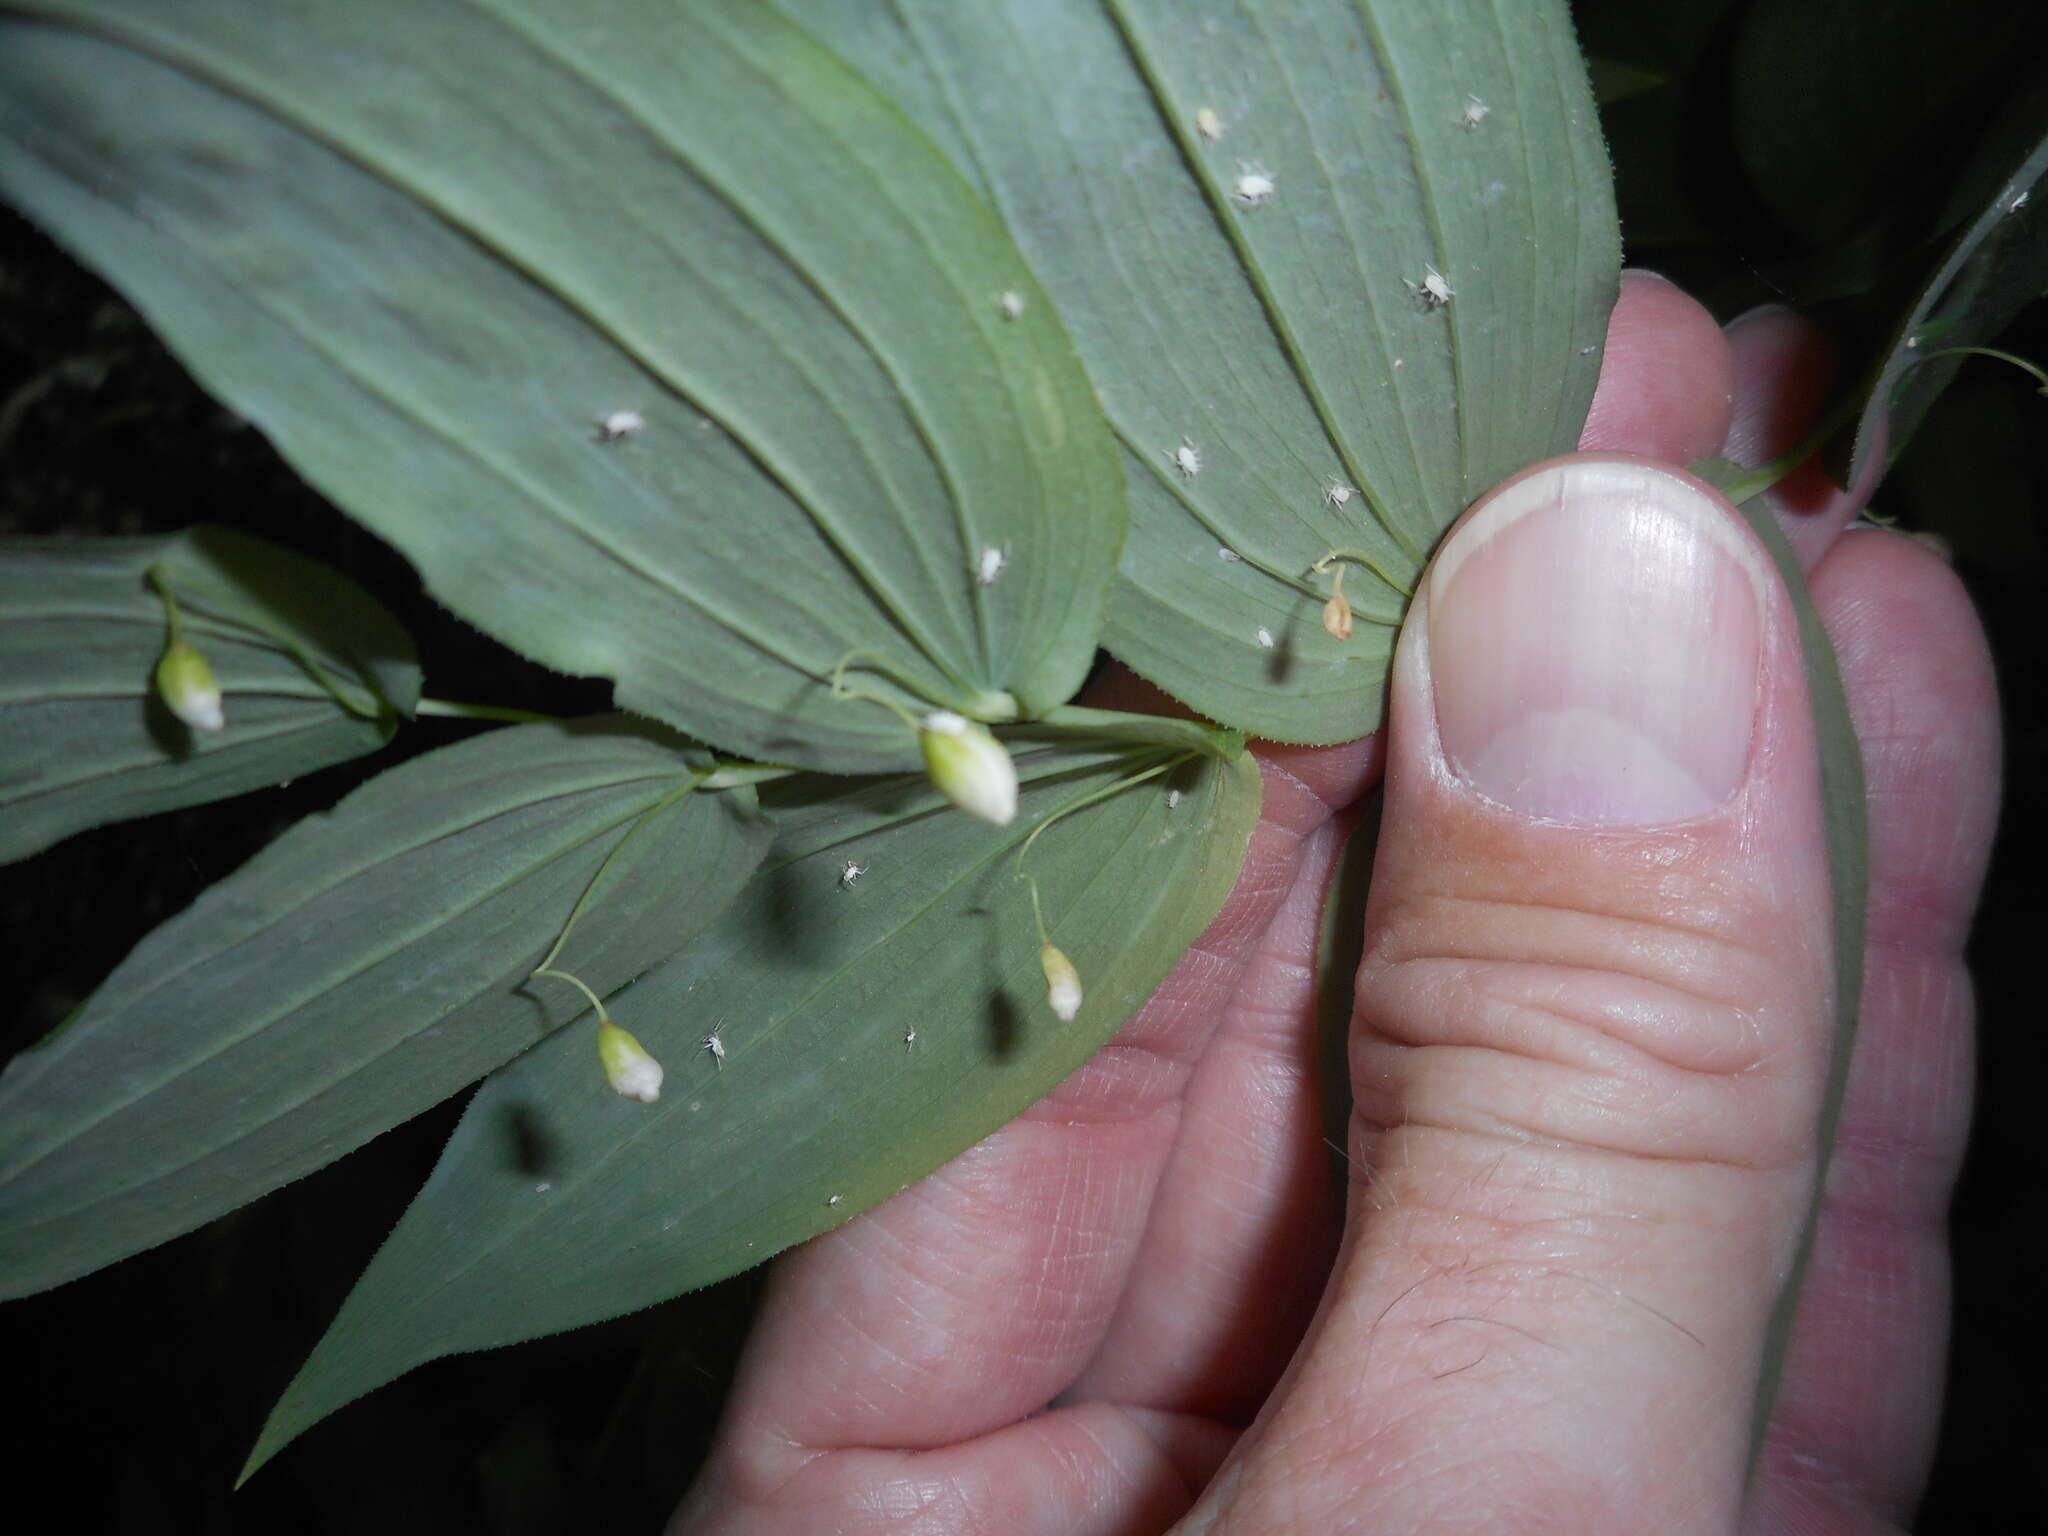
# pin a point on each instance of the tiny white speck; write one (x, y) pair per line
(1187, 458)
(1913, 341)
(835, 1199)
(1475, 113)
(1173, 799)
(619, 424)
(1011, 303)
(2019, 200)
(1587, 351)
(990, 566)
(1336, 493)
(850, 872)
(910, 1038)
(1228, 555)
(1255, 184)
(543, 1187)
(715, 1046)
(1265, 638)
(1400, 362)
(1209, 124)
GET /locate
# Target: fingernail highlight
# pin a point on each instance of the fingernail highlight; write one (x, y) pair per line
(1595, 638)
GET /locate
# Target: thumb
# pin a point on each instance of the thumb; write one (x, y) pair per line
(1591, 1035)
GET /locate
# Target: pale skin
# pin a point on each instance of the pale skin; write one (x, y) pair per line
(1537, 1303)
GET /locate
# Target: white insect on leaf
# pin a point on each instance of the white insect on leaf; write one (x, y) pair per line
(1434, 290)
(835, 1199)
(910, 1039)
(989, 566)
(2019, 200)
(1475, 113)
(1265, 638)
(1336, 493)
(1011, 303)
(713, 1046)
(1209, 124)
(1187, 458)
(1173, 799)
(1227, 555)
(850, 872)
(617, 425)
(1255, 184)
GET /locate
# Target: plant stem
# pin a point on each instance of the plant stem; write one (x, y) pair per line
(453, 710)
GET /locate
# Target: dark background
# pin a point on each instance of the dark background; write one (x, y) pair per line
(1798, 150)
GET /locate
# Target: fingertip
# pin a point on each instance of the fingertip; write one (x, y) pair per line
(1784, 366)
(1667, 382)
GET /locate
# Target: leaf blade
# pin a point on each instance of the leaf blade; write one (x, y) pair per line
(818, 1095)
(90, 742)
(370, 962)
(827, 387)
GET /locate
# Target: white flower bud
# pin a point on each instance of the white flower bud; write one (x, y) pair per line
(188, 687)
(627, 1066)
(969, 766)
(1062, 981)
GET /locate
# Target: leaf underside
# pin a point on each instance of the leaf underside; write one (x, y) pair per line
(369, 963)
(88, 739)
(555, 1206)
(430, 248)
(1288, 342)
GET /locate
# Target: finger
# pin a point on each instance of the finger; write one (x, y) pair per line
(1783, 367)
(1234, 1256)
(1666, 380)
(1592, 1034)
(912, 1343)
(1854, 1425)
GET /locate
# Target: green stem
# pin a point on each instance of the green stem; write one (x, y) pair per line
(595, 1001)
(452, 710)
(2020, 363)
(171, 616)
(1766, 475)
(590, 889)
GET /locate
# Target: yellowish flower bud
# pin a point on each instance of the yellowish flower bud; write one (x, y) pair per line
(188, 687)
(627, 1066)
(1062, 981)
(1337, 617)
(969, 766)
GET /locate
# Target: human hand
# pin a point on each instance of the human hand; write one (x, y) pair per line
(1587, 1065)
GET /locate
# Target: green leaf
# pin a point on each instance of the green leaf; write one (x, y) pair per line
(1994, 268)
(553, 1207)
(1845, 830)
(1288, 341)
(430, 247)
(313, 670)
(366, 965)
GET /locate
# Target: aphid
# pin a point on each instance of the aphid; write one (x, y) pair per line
(1336, 493)
(715, 1046)
(990, 566)
(1011, 303)
(1475, 113)
(2019, 200)
(835, 1199)
(1227, 555)
(1265, 638)
(910, 1039)
(1209, 124)
(1187, 458)
(1254, 185)
(1173, 799)
(850, 872)
(619, 424)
